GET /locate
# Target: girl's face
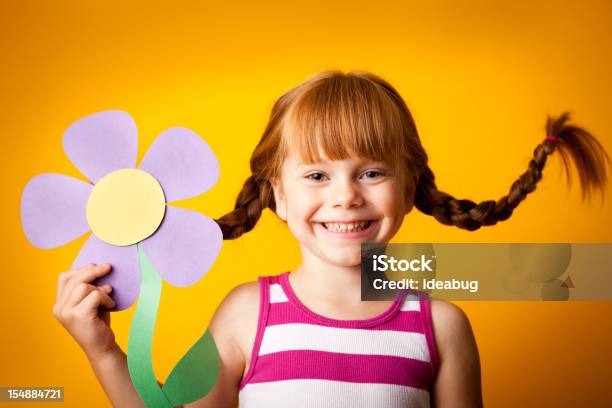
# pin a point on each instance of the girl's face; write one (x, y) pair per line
(334, 205)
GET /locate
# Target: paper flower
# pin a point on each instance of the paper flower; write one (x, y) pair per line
(125, 206)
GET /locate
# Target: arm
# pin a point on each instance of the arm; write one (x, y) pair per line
(233, 327)
(457, 383)
(112, 372)
(82, 309)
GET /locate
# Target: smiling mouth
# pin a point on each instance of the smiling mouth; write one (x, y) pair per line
(347, 226)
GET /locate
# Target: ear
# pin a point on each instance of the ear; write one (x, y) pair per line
(409, 196)
(280, 200)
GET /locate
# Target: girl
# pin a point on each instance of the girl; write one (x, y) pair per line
(341, 163)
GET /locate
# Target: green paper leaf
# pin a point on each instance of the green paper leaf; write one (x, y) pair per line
(195, 374)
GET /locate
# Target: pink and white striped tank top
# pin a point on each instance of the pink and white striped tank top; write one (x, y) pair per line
(302, 359)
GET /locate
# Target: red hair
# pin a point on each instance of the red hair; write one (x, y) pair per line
(359, 113)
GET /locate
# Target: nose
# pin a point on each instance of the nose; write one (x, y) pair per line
(346, 194)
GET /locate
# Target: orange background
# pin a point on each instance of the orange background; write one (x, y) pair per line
(479, 77)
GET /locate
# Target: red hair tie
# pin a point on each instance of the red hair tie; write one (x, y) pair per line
(553, 138)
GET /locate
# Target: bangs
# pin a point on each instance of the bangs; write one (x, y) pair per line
(345, 116)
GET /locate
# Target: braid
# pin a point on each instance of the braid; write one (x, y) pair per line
(589, 157)
(573, 143)
(251, 201)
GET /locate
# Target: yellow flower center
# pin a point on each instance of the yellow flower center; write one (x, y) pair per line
(125, 207)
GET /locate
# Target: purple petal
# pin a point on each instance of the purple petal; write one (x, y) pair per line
(184, 247)
(125, 274)
(182, 162)
(53, 209)
(101, 143)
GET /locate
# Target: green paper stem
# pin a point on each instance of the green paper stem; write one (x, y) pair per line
(140, 340)
(194, 375)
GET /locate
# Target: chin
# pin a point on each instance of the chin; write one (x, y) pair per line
(346, 260)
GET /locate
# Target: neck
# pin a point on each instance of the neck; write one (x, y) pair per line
(328, 281)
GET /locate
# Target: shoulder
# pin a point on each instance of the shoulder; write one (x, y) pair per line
(452, 329)
(234, 324)
(449, 321)
(237, 307)
(246, 294)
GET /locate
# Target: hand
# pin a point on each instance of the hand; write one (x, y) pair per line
(82, 309)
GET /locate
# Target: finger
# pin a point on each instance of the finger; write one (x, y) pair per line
(78, 293)
(95, 299)
(107, 288)
(64, 277)
(104, 313)
(87, 274)
(67, 277)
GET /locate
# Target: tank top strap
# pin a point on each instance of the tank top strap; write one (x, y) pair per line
(270, 291)
(415, 315)
(277, 293)
(425, 302)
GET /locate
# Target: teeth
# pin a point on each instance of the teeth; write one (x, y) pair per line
(345, 227)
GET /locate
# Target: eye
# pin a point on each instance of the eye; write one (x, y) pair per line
(372, 174)
(317, 176)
